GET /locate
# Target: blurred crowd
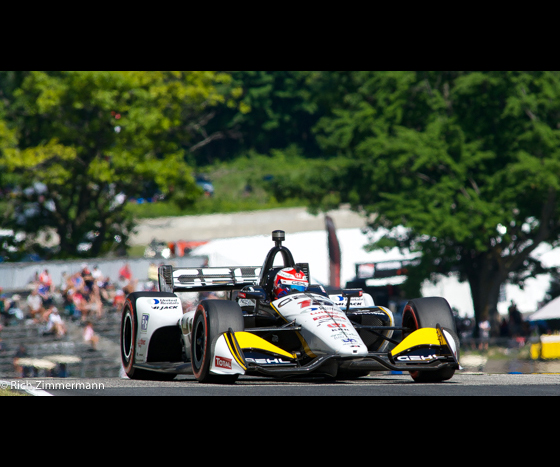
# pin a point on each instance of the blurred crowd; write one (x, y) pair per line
(84, 296)
(511, 328)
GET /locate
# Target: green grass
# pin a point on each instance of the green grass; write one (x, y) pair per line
(230, 182)
(10, 393)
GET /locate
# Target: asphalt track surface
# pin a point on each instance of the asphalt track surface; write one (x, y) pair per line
(463, 384)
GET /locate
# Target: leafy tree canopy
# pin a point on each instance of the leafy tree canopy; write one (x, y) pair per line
(468, 162)
(79, 143)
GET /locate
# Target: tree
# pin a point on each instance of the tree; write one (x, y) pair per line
(467, 162)
(277, 109)
(81, 143)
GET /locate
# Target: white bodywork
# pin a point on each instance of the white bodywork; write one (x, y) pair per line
(326, 330)
(154, 313)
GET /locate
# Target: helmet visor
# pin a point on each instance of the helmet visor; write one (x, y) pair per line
(284, 289)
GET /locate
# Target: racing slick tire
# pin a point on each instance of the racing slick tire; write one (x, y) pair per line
(129, 330)
(211, 319)
(426, 313)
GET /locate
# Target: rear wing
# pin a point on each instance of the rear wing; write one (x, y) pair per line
(172, 279)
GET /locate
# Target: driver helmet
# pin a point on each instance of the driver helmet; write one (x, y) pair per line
(289, 280)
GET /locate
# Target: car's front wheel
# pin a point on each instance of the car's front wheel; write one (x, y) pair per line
(427, 313)
(211, 319)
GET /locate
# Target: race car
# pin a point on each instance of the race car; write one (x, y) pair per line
(306, 332)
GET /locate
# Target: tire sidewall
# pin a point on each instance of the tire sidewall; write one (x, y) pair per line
(128, 350)
(212, 318)
(200, 362)
(427, 313)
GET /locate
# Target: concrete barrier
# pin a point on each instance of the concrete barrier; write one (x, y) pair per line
(18, 276)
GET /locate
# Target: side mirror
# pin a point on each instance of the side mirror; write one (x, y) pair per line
(350, 293)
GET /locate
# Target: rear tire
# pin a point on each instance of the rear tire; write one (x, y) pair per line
(129, 332)
(211, 319)
(426, 313)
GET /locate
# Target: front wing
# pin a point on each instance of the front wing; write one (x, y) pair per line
(427, 349)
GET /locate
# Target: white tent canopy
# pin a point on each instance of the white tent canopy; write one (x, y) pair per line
(550, 311)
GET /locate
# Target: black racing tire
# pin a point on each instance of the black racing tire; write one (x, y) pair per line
(129, 332)
(426, 313)
(211, 319)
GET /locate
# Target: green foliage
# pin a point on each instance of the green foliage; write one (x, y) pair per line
(467, 161)
(277, 109)
(242, 184)
(93, 139)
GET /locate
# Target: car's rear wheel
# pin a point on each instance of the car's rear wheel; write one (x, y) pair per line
(427, 313)
(212, 318)
(129, 330)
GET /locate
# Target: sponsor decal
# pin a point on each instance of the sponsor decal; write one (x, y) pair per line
(144, 323)
(417, 358)
(222, 362)
(267, 361)
(141, 347)
(285, 302)
(164, 304)
(316, 302)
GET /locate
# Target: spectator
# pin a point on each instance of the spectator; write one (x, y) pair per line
(126, 285)
(77, 282)
(13, 310)
(69, 305)
(79, 303)
(126, 282)
(515, 320)
(118, 300)
(87, 276)
(484, 327)
(3, 306)
(93, 301)
(35, 305)
(125, 272)
(90, 336)
(46, 280)
(108, 292)
(96, 273)
(55, 325)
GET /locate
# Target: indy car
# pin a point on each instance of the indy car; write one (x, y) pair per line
(305, 333)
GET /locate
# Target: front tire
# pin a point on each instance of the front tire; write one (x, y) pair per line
(426, 313)
(211, 319)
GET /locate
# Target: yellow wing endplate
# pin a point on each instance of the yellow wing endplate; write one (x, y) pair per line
(246, 340)
(422, 336)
